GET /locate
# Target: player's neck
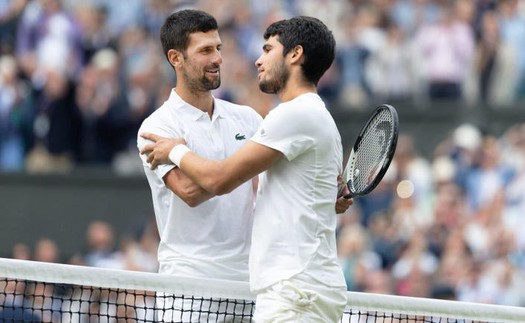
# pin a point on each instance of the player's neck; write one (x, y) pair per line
(200, 100)
(296, 85)
(294, 89)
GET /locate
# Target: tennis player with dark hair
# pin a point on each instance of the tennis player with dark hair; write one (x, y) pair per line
(293, 259)
(201, 235)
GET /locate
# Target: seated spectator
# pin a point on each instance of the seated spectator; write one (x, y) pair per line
(101, 250)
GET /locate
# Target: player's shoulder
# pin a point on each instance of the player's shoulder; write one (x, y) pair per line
(238, 110)
(160, 114)
(305, 111)
(234, 107)
(159, 118)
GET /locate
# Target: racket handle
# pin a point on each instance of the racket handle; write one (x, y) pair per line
(340, 189)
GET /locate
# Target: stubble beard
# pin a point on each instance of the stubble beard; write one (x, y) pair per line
(277, 83)
(202, 84)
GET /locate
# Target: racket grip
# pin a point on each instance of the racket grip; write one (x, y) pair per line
(340, 189)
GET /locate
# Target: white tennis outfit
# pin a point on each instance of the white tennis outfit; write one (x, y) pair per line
(213, 239)
(293, 259)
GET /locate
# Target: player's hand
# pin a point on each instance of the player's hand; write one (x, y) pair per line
(342, 204)
(158, 152)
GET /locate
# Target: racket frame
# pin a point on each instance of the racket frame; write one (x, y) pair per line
(390, 154)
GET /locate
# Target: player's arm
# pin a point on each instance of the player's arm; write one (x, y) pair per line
(180, 184)
(221, 177)
(216, 177)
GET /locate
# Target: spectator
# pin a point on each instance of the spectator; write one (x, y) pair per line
(447, 46)
(92, 20)
(411, 15)
(489, 179)
(48, 38)
(378, 282)
(389, 69)
(356, 257)
(101, 250)
(513, 35)
(494, 64)
(57, 126)
(10, 11)
(352, 56)
(414, 267)
(46, 250)
(15, 116)
(21, 251)
(122, 17)
(384, 240)
(140, 250)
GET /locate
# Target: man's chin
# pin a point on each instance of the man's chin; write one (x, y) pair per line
(215, 86)
(212, 84)
(264, 87)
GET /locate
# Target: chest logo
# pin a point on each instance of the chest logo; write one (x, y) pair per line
(240, 137)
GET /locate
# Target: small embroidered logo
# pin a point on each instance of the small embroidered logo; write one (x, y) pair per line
(240, 137)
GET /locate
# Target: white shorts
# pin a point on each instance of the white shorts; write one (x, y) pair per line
(177, 309)
(300, 299)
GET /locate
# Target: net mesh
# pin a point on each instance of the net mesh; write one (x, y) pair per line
(372, 150)
(32, 301)
(37, 292)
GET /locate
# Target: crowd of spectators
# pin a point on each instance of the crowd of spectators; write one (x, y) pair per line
(454, 223)
(135, 251)
(78, 77)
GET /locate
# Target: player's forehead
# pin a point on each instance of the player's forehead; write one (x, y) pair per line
(204, 39)
(273, 41)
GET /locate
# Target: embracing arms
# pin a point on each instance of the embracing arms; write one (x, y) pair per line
(191, 193)
(221, 177)
(216, 177)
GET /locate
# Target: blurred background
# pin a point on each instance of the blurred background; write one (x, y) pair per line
(448, 221)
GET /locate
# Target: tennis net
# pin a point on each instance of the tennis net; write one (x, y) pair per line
(43, 292)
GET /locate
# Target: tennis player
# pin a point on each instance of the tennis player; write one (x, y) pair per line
(200, 235)
(293, 260)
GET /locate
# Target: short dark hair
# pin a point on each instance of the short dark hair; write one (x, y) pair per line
(176, 30)
(316, 39)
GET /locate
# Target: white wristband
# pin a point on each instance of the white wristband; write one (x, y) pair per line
(177, 153)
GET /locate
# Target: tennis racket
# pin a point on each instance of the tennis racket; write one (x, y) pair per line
(372, 152)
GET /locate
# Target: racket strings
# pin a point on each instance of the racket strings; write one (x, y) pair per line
(372, 151)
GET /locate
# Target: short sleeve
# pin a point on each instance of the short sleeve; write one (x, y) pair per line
(161, 170)
(286, 129)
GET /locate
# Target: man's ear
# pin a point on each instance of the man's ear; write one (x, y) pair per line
(297, 54)
(175, 57)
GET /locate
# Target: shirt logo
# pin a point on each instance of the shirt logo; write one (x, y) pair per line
(240, 137)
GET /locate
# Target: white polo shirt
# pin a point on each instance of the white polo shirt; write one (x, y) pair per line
(295, 220)
(211, 240)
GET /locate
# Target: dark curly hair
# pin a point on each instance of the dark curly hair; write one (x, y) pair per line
(316, 39)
